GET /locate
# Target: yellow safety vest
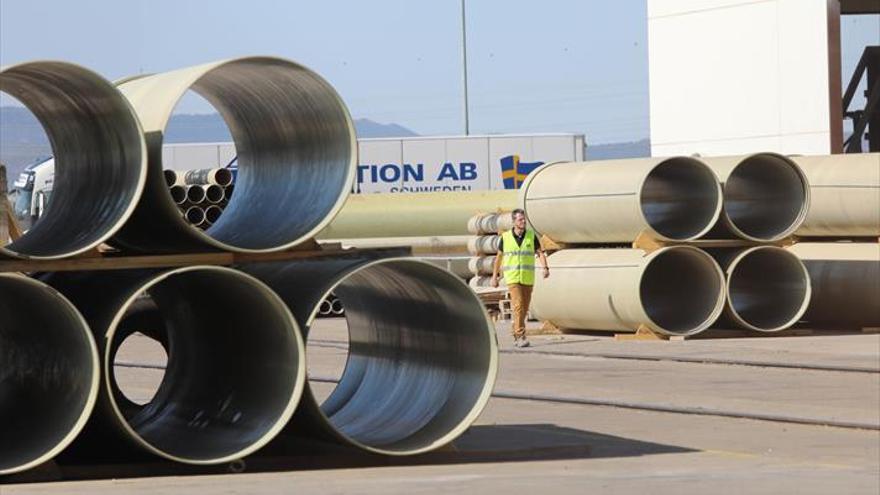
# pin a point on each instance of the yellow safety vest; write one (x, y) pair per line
(519, 260)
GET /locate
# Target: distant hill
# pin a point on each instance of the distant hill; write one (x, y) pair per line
(23, 142)
(632, 149)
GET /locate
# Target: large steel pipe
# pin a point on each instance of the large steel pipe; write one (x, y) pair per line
(414, 214)
(845, 279)
(232, 380)
(844, 194)
(296, 153)
(768, 288)
(100, 157)
(422, 357)
(616, 200)
(766, 196)
(674, 291)
(48, 373)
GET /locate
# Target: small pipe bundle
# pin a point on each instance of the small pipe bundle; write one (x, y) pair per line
(330, 306)
(200, 195)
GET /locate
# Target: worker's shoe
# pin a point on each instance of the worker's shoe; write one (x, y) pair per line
(523, 342)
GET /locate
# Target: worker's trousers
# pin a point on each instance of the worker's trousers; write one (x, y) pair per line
(520, 297)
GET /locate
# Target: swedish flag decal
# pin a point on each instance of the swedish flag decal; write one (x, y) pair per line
(514, 172)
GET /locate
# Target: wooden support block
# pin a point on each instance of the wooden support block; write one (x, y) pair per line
(642, 333)
(549, 245)
(647, 243)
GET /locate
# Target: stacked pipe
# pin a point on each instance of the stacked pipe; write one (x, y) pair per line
(486, 229)
(201, 195)
(235, 380)
(609, 278)
(331, 306)
(840, 240)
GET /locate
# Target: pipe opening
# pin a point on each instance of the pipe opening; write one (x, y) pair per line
(178, 194)
(768, 289)
(421, 360)
(213, 193)
(234, 365)
(99, 158)
(49, 373)
(680, 198)
(296, 151)
(766, 197)
(681, 290)
(212, 214)
(328, 352)
(142, 338)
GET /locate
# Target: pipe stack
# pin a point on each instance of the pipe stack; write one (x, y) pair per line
(605, 278)
(840, 234)
(423, 355)
(483, 247)
(331, 306)
(200, 195)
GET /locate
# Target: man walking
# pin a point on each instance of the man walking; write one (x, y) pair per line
(516, 254)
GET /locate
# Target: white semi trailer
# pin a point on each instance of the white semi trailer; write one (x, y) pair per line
(385, 165)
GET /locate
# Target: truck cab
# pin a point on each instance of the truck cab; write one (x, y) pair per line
(31, 192)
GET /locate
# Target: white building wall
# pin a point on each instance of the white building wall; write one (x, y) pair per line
(739, 76)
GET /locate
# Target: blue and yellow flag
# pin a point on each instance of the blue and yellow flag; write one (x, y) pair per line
(514, 172)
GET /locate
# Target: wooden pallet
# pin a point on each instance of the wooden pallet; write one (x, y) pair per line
(103, 259)
(649, 243)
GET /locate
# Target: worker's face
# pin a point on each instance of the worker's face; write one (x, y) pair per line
(519, 221)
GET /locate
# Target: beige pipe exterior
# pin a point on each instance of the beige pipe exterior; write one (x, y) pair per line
(767, 288)
(456, 265)
(674, 290)
(482, 265)
(616, 200)
(845, 194)
(491, 223)
(766, 196)
(413, 214)
(452, 244)
(487, 244)
(845, 278)
(297, 155)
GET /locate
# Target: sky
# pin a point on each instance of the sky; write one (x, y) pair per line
(549, 66)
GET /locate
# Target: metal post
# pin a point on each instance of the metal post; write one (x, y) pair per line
(464, 67)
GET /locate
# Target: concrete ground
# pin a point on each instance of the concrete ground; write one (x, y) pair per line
(762, 415)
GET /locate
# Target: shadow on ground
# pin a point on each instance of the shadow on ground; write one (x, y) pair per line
(480, 444)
